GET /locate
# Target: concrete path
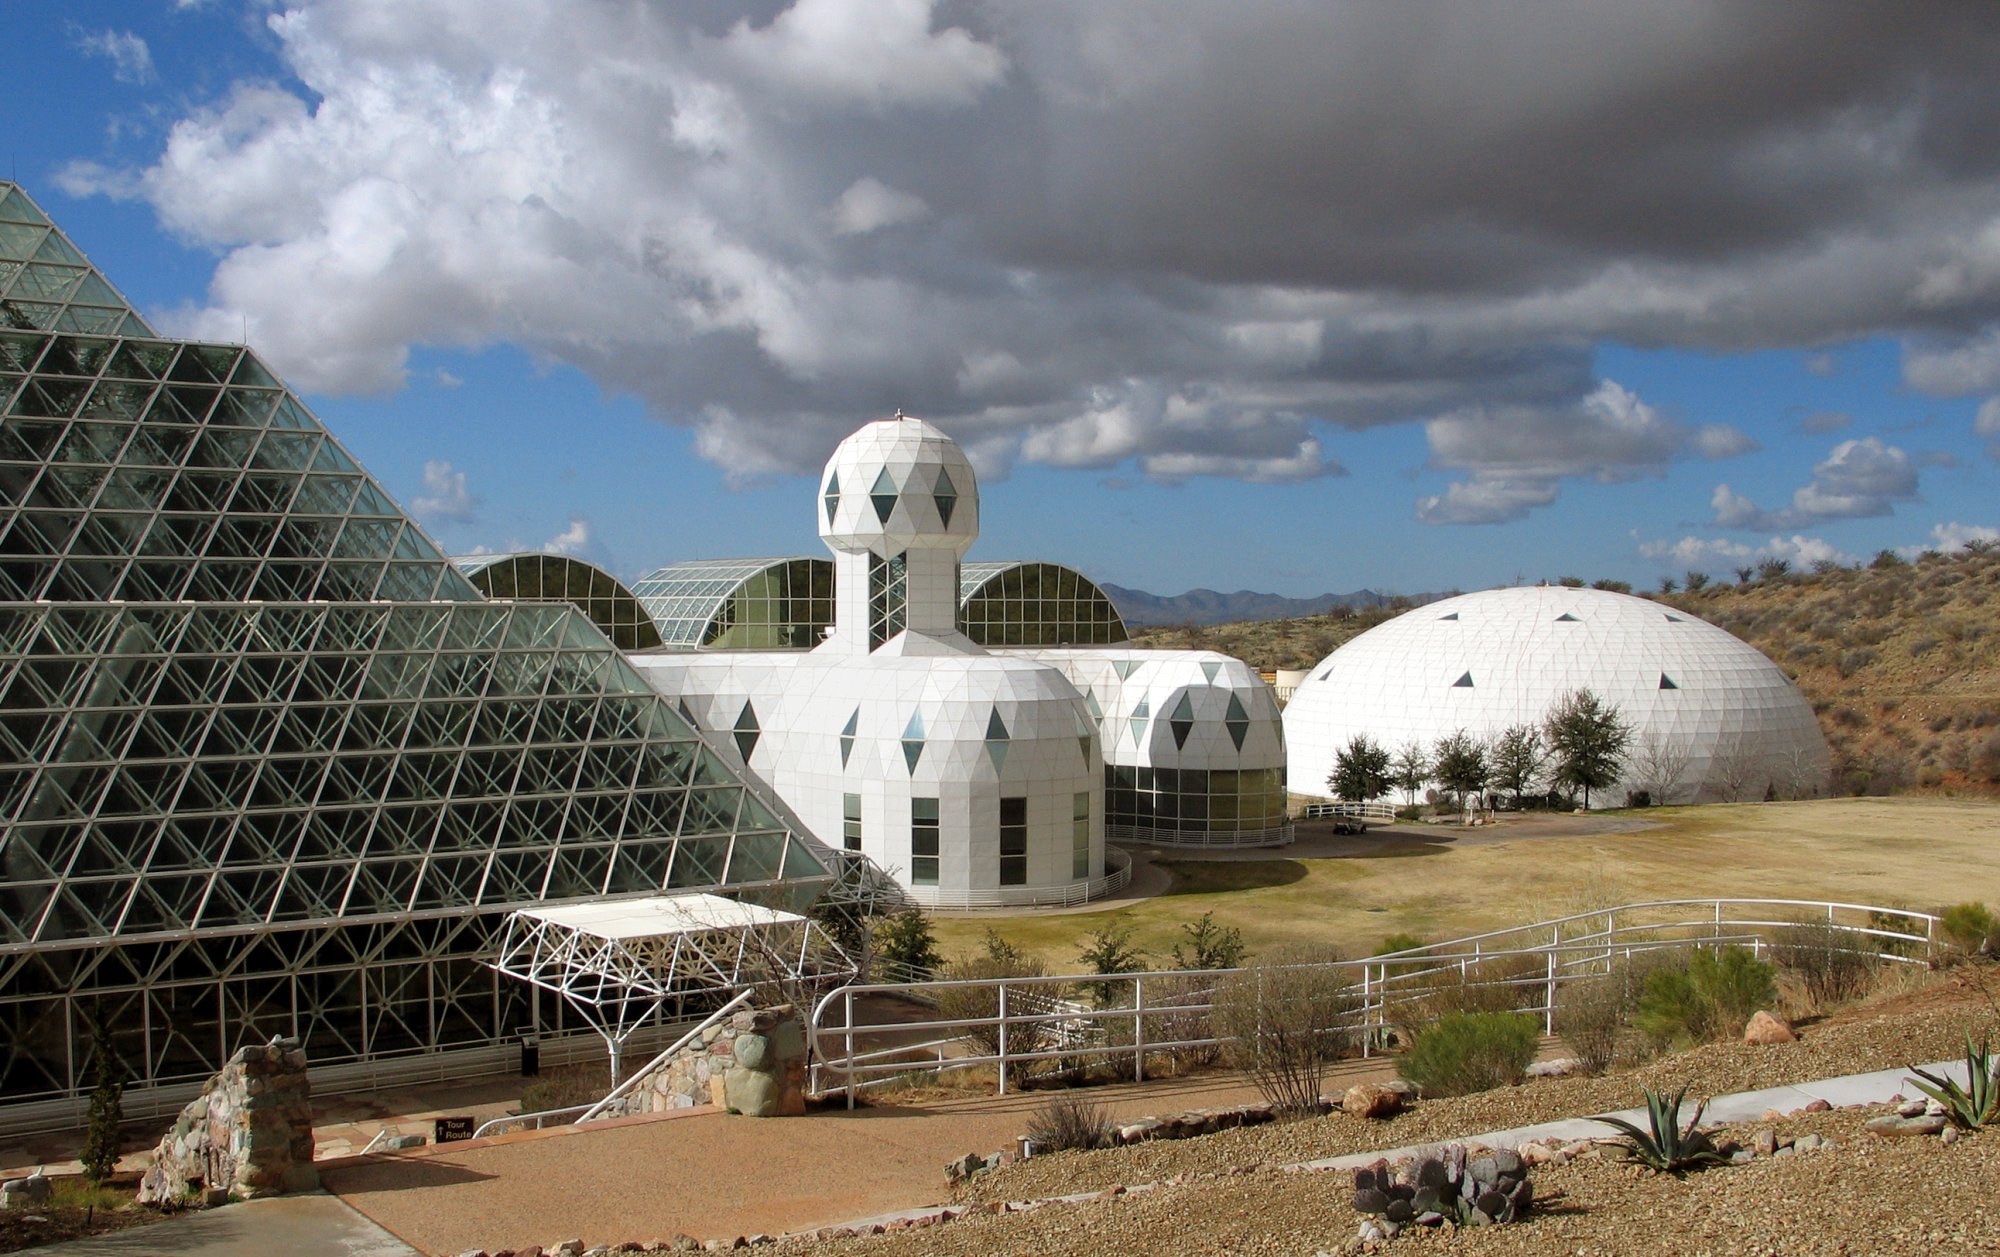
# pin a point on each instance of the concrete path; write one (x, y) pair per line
(316, 1225)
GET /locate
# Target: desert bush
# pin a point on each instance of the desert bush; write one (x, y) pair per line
(1971, 928)
(1593, 1014)
(1501, 985)
(1834, 966)
(1032, 1024)
(1108, 952)
(1711, 997)
(1069, 1122)
(1467, 1052)
(562, 1088)
(1286, 1020)
(1208, 945)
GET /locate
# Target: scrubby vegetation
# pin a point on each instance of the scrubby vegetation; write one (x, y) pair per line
(1465, 1052)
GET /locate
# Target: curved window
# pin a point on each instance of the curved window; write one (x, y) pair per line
(740, 604)
(559, 578)
(1035, 604)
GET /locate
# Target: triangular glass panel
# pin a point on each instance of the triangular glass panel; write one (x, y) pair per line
(1452, 616)
(1676, 619)
(1667, 682)
(1566, 618)
(746, 731)
(997, 739)
(1237, 721)
(847, 736)
(1084, 732)
(913, 740)
(1124, 667)
(883, 494)
(1463, 683)
(832, 495)
(1210, 669)
(1181, 721)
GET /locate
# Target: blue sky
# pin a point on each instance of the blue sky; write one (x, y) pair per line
(1360, 297)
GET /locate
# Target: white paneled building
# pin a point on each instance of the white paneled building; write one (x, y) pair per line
(974, 778)
(1724, 720)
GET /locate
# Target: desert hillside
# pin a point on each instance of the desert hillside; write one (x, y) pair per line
(1900, 658)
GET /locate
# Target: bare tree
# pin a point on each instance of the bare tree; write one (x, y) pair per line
(1660, 768)
(1803, 778)
(1287, 1020)
(1735, 768)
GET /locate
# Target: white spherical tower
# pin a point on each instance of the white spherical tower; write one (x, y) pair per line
(898, 506)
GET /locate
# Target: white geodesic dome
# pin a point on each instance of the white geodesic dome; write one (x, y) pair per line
(1694, 694)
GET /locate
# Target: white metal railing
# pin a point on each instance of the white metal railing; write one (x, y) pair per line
(1012, 1023)
(1118, 874)
(1374, 810)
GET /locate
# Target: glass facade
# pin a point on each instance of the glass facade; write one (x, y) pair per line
(888, 598)
(1035, 604)
(268, 762)
(1151, 804)
(1014, 842)
(559, 578)
(740, 604)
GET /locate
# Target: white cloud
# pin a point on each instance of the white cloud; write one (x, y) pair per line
(870, 205)
(1953, 536)
(445, 379)
(1083, 234)
(570, 540)
(131, 60)
(1519, 454)
(445, 494)
(1495, 501)
(1858, 480)
(1987, 421)
(1708, 553)
(876, 53)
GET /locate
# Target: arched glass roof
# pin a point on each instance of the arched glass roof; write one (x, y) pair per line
(539, 577)
(740, 604)
(1035, 604)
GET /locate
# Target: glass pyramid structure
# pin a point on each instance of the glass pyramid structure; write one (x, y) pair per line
(270, 764)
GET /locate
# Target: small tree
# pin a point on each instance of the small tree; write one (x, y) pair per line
(1516, 760)
(1285, 1019)
(1360, 770)
(1587, 740)
(1412, 768)
(1108, 951)
(1668, 584)
(1735, 768)
(1460, 765)
(1774, 571)
(107, 1103)
(1208, 945)
(1695, 581)
(906, 946)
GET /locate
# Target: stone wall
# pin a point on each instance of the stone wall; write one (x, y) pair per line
(248, 1134)
(753, 1063)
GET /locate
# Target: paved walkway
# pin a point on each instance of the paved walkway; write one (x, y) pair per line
(316, 1225)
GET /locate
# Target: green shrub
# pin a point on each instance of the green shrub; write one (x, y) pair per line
(906, 948)
(1971, 928)
(1209, 946)
(1708, 999)
(1461, 1053)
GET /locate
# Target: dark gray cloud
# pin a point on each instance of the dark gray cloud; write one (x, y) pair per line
(1190, 240)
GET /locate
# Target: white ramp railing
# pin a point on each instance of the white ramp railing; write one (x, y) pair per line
(861, 1040)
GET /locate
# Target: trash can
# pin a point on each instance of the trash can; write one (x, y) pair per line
(531, 1055)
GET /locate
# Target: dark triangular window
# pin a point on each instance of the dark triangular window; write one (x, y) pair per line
(1463, 683)
(1452, 616)
(883, 494)
(946, 497)
(832, 496)
(847, 736)
(1181, 721)
(746, 731)
(1566, 618)
(1667, 682)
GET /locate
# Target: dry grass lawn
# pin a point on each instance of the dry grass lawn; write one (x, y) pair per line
(1904, 852)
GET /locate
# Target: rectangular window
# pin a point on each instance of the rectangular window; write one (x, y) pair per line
(923, 842)
(1080, 835)
(1013, 842)
(850, 821)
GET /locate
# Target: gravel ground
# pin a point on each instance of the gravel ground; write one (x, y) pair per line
(1225, 1193)
(1866, 1196)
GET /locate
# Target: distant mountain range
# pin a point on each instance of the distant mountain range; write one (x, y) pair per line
(1207, 606)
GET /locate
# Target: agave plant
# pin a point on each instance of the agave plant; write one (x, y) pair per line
(1973, 1105)
(1667, 1147)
